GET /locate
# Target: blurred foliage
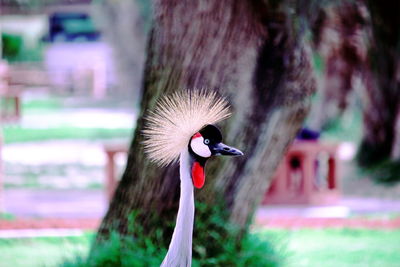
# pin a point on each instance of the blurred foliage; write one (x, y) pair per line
(345, 128)
(121, 251)
(14, 50)
(215, 244)
(386, 172)
(370, 154)
(11, 45)
(377, 165)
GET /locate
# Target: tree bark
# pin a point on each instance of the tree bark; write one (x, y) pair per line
(252, 53)
(382, 97)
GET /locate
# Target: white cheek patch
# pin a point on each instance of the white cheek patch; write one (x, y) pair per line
(200, 148)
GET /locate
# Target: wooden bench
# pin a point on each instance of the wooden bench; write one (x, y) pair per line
(308, 174)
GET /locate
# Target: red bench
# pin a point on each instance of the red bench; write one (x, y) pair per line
(306, 175)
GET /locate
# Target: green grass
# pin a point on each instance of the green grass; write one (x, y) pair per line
(48, 105)
(327, 248)
(44, 104)
(18, 134)
(340, 247)
(55, 176)
(35, 252)
(7, 216)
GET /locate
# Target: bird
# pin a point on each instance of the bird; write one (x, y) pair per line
(182, 128)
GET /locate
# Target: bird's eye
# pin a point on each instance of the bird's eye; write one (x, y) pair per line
(206, 141)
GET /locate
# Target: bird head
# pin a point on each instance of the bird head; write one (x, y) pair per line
(206, 143)
(184, 122)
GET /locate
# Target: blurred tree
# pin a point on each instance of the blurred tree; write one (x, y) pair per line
(254, 53)
(360, 39)
(340, 37)
(381, 100)
(123, 27)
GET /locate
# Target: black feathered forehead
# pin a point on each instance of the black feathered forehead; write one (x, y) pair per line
(211, 132)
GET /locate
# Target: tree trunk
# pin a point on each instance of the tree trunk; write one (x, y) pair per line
(340, 38)
(250, 52)
(382, 98)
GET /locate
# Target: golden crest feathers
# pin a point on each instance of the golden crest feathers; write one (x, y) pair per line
(176, 117)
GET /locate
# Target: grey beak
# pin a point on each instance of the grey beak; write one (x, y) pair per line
(222, 149)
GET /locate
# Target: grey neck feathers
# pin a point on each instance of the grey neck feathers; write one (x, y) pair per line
(180, 249)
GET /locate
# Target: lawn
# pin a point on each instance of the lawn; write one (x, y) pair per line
(340, 247)
(18, 134)
(35, 252)
(328, 247)
(50, 107)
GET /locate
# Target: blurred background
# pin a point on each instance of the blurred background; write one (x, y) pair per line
(70, 80)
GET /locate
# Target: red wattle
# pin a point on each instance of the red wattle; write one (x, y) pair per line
(198, 176)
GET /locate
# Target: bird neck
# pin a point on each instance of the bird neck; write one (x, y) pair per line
(180, 249)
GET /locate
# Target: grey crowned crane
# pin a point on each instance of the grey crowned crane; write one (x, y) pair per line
(181, 127)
